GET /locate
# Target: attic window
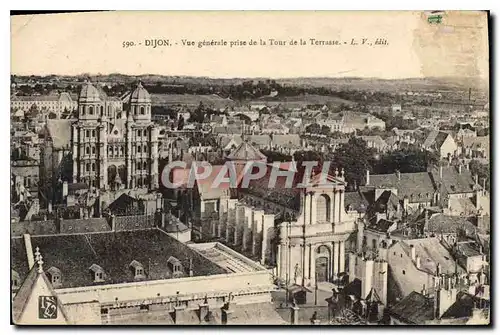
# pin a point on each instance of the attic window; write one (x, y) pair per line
(97, 272)
(404, 272)
(115, 132)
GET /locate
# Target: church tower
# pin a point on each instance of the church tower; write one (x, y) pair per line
(88, 136)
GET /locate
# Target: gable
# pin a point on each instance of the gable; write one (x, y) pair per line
(26, 304)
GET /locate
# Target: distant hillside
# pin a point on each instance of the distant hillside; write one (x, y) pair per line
(363, 84)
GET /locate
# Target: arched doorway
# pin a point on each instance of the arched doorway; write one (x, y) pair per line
(323, 208)
(323, 257)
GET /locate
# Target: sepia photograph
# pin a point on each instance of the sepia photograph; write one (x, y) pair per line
(285, 168)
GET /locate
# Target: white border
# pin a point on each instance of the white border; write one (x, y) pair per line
(493, 5)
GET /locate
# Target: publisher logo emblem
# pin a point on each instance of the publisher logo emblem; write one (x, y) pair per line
(47, 307)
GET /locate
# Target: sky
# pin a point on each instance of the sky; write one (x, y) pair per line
(72, 44)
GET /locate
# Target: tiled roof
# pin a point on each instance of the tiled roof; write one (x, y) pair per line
(414, 308)
(261, 141)
(290, 140)
(33, 228)
(59, 132)
(432, 253)
(74, 254)
(224, 140)
(438, 223)
(246, 152)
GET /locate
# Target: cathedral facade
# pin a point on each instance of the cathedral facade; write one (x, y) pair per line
(114, 149)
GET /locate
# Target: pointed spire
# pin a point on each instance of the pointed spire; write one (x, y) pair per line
(39, 260)
(37, 254)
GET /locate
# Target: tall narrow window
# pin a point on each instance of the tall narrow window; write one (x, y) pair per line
(87, 150)
(87, 166)
(142, 110)
(93, 133)
(87, 133)
(91, 110)
(93, 166)
(139, 149)
(93, 150)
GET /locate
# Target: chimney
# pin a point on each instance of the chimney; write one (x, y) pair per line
(441, 172)
(476, 179)
(443, 299)
(113, 222)
(367, 177)
(204, 309)
(460, 169)
(65, 189)
(424, 291)
(417, 262)
(49, 209)
(413, 254)
(398, 173)
(178, 314)
(226, 314)
(294, 314)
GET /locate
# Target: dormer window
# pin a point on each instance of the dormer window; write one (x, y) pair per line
(175, 266)
(97, 273)
(54, 275)
(137, 270)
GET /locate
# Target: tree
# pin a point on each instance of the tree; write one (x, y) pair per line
(180, 124)
(325, 130)
(355, 158)
(198, 114)
(407, 160)
(313, 128)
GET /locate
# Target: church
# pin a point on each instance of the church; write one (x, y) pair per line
(107, 145)
(114, 149)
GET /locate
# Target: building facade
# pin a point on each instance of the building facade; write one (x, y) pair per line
(113, 149)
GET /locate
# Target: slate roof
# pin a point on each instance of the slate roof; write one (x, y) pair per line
(414, 308)
(453, 181)
(464, 305)
(126, 205)
(356, 200)
(435, 139)
(73, 255)
(418, 186)
(353, 288)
